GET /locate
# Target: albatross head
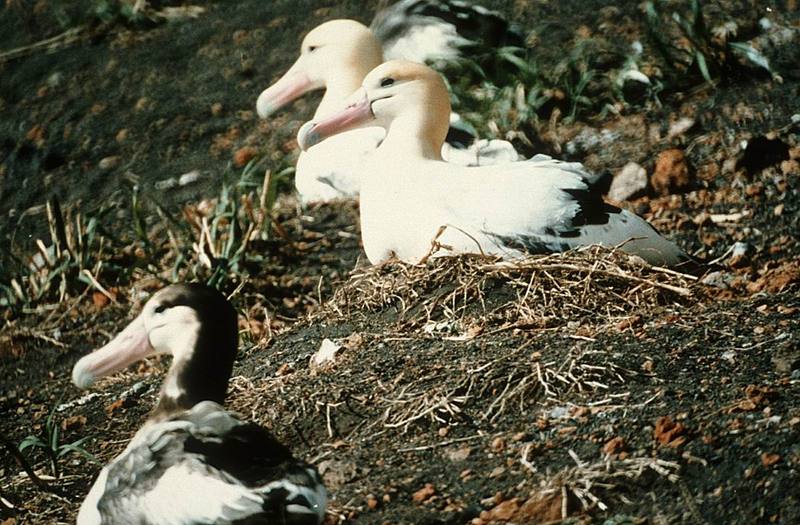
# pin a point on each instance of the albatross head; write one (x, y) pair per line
(336, 54)
(192, 322)
(398, 94)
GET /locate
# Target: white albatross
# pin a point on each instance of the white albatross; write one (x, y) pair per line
(336, 56)
(194, 462)
(411, 198)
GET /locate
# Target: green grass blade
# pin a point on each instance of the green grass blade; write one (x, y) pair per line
(701, 64)
(31, 441)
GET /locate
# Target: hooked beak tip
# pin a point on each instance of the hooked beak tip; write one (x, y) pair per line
(82, 378)
(264, 108)
(307, 136)
(263, 113)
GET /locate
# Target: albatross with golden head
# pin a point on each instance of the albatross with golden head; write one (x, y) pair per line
(336, 56)
(410, 197)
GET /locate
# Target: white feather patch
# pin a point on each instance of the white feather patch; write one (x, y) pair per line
(88, 513)
(185, 494)
(426, 42)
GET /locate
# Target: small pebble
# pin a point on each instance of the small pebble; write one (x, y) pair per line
(109, 163)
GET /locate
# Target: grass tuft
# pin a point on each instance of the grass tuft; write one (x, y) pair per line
(208, 241)
(50, 442)
(690, 47)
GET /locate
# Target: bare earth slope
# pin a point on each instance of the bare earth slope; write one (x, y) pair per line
(575, 388)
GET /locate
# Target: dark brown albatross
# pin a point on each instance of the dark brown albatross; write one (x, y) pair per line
(193, 462)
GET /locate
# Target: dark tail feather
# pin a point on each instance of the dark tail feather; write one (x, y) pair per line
(696, 267)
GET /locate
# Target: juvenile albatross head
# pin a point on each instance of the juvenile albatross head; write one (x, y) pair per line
(193, 323)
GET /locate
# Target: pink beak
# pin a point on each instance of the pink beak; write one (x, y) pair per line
(287, 88)
(351, 117)
(129, 346)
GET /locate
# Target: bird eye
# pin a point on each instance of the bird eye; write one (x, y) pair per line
(311, 49)
(160, 308)
(386, 82)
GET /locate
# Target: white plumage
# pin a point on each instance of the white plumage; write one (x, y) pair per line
(336, 56)
(167, 475)
(413, 203)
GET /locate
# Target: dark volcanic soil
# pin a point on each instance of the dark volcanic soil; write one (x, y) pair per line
(578, 389)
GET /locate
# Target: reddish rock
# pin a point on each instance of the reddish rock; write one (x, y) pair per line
(629, 323)
(669, 433)
(768, 459)
(73, 423)
(284, 370)
(372, 502)
(506, 510)
(614, 445)
(99, 300)
(243, 156)
(777, 280)
(538, 509)
(115, 406)
(544, 509)
(498, 444)
(36, 135)
(424, 494)
(671, 174)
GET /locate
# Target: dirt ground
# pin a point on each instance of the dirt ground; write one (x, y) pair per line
(574, 388)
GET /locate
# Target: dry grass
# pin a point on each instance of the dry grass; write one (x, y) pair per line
(477, 390)
(597, 484)
(595, 286)
(482, 393)
(463, 301)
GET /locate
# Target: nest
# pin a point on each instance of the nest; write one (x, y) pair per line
(398, 385)
(594, 285)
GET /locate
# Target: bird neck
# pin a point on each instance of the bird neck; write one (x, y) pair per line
(409, 137)
(198, 373)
